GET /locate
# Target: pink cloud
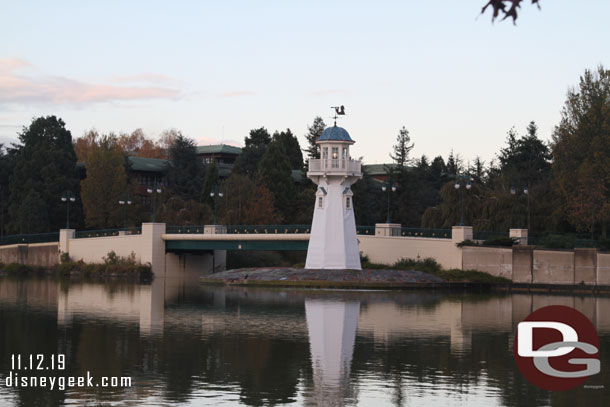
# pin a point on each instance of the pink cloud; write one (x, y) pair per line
(17, 88)
(143, 77)
(237, 93)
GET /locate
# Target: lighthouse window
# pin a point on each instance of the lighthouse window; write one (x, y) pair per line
(320, 202)
(325, 153)
(348, 202)
(344, 153)
(335, 156)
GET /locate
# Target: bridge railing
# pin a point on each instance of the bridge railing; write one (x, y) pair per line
(489, 235)
(184, 229)
(268, 229)
(26, 239)
(83, 234)
(425, 232)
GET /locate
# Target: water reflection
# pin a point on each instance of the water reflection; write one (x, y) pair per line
(332, 332)
(186, 344)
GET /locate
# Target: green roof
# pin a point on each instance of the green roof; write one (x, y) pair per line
(218, 149)
(147, 164)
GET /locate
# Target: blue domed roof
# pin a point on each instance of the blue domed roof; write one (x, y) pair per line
(335, 134)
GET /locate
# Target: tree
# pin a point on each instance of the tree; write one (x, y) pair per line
(507, 8)
(210, 180)
(276, 174)
(7, 164)
(83, 144)
(105, 185)
(246, 202)
(176, 211)
(581, 153)
(313, 134)
(255, 147)
(45, 167)
(291, 146)
(402, 148)
(454, 164)
(185, 170)
(136, 144)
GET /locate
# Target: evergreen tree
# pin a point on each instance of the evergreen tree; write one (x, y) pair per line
(45, 167)
(185, 170)
(581, 153)
(402, 148)
(105, 185)
(246, 202)
(313, 134)
(255, 147)
(290, 144)
(276, 174)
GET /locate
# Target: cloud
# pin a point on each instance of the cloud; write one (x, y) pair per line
(327, 92)
(143, 77)
(233, 94)
(23, 89)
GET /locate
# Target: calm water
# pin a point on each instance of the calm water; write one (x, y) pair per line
(185, 344)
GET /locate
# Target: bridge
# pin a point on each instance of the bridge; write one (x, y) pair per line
(204, 247)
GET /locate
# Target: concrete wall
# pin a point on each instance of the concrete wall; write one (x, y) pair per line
(388, 249)
(491, 260)
(34, 254)
(94, 249)
(524, 264)
(553, 267)
(148, 247)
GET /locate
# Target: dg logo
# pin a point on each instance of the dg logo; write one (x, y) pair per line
(556, 348)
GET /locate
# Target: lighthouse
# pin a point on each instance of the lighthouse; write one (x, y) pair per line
(333, 243)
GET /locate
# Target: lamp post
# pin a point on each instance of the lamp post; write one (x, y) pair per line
(388, 188)
(68, 197)
(124, 202)
(518, 193)
(215, 192)
(468, 185)
(154, 191)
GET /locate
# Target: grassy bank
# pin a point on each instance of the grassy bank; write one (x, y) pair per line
(113, 266)
(430, 266)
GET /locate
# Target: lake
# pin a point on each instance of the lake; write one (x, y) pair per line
(185, 344)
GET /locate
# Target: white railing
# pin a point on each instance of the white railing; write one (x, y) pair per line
(334, 166)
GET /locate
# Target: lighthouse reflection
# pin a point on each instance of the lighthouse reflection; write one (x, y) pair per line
(331, 326)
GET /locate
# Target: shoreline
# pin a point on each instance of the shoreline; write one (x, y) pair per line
(268, 277)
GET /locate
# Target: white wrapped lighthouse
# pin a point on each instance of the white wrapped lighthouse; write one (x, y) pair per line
(333, 243)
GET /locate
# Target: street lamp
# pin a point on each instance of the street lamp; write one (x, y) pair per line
(517, 193)
(124, 202)
(393, 189)
(215, 192)
(462, 178)
(154, 191)
(68, 197)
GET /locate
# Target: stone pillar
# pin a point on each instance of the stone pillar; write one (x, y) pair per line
(519, 234)
(153, 247)
(214, 229)
(458, 235)
(461, 233)
(219, 257)
(64, 236)
(387, 229)
(523, 263)
(585, 266)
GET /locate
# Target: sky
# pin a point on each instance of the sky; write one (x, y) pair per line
(216, 70)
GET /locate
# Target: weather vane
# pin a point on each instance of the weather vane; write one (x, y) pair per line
(339, 111)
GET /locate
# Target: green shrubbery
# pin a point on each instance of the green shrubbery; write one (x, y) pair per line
(113, 265)
(431, 266)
